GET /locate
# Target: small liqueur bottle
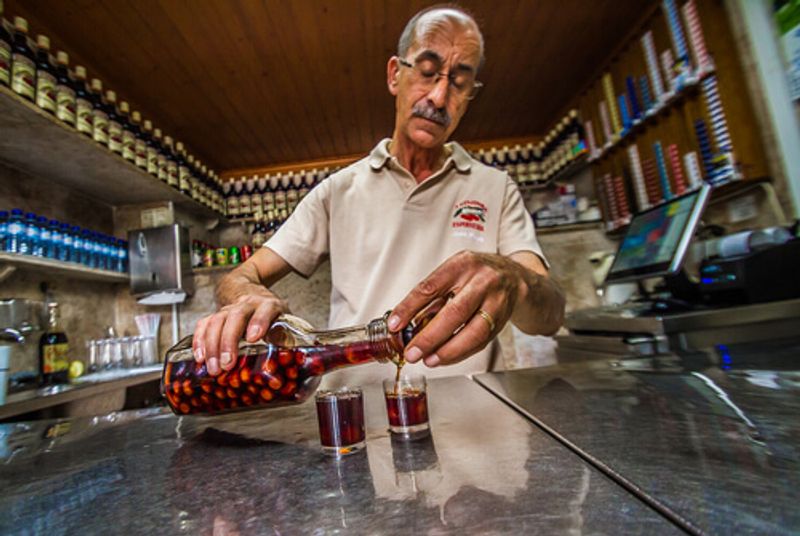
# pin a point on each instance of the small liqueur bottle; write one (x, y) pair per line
(5, 51)
(256, 197)
(234, 198)
(157, 147)
(65, 90)
(171, 162)
(308, 181)
(280, 192)
(45, 76)
(99, 114)
(283, 370)
(244, 199)
(114, 123)
(140, 141)
(83, 103)
(23, 62)
(268, 195)
(226, 197)
(183, 169)
(128, 135)
(293, 193)
(53, 350)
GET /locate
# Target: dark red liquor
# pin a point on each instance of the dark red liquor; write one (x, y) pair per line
(407, 408)
(341, 418)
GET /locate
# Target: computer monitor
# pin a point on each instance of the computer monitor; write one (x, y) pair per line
(657, 239)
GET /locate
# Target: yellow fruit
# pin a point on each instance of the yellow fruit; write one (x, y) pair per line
(76, 369)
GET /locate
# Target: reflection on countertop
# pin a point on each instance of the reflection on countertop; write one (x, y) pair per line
(483, 469)
(713, 435)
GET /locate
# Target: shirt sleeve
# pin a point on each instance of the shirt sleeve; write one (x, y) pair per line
(303, 239)
(517, 232)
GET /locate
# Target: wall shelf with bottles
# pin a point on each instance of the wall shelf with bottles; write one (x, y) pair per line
(670, 110)
(569, 171)
(35, 142)
(60, 268)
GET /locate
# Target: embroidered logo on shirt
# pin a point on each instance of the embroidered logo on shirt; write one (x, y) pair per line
(470, 214)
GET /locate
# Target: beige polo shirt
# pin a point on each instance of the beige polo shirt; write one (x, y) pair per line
(384, 233)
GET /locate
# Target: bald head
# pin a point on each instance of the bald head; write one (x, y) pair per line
(432, 20)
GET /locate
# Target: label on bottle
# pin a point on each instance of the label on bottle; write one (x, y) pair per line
(55, 357)
(256, 202)
(115, 137)
(100, 130)
(5, 63)
(128, 145)
(268, 201)
(151, 157)
(291, 198)
(172, 173)
(194, 185)
(65, 104)
(140, 152)
(23, 74)
(83, 116)
(184, 183)
(244, 205)
(280, 200)
(161, 164)
(232, 206)
(46, 91)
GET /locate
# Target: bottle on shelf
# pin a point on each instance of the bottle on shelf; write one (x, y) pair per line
(263, 187)
(45, 76)
(140, 141)
(83, 102)
(45, 238)
(245, 210)
(148, 147)
(293, 193)
(115, 121)
(227, 196)
(259, 235)
(99, 113)
(23, 62)
(5, 51)
(16, 237)
(157, 147)
(65, 90)
(184, 184)
(33, 245)
(56, 239)
(3, 225)
(194, 178)
(256, 198)
(128, 137)
(305, 187)
(234, 198)
(171, 162)
(66, 252)
(268, 195)
(286, 369)
(53, 349)
(77, 244)
(280, 192)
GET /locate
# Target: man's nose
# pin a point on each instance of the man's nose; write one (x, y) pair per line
(439, 92)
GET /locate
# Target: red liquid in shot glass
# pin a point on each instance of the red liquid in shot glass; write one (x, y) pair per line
(341, 419)
(407, 408)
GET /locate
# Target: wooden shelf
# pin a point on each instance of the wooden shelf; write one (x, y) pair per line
(214, 269)
(567, 227)
(65, 269)
(35, 142)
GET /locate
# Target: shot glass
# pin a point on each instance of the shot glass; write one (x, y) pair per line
(407, 406)
(341, 421)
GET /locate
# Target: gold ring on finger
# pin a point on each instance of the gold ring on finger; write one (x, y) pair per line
(489, 319)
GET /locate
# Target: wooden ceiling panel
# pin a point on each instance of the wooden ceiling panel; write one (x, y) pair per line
(250, 83)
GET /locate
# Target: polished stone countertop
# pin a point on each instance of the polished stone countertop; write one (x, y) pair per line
(711, 436)
(484, 469)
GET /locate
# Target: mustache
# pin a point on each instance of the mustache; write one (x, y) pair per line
(426, 111)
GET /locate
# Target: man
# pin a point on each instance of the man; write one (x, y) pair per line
(416, 211)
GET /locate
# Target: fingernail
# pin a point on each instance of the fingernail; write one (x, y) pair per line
(394, 321)
(252, 331)
(225, 359)
(413, 354)
(432, 360)
(200, 353)
(213, 366)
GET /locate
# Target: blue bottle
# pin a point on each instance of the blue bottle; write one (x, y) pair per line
(87, 251)
(97, 245)
(56, 239)
(3, 229)
(77, 243)
(116, 245)
(17, 238)
(33, 245)
(123, 255)
(108, 258)
(66, 237)
(44, 236)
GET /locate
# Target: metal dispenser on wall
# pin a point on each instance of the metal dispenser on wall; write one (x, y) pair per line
(161, 268)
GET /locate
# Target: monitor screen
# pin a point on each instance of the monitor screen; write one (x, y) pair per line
(657, 239)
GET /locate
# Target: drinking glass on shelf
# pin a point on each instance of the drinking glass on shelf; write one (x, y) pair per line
(116, 352)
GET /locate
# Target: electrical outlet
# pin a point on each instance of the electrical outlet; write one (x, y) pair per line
(742, 209)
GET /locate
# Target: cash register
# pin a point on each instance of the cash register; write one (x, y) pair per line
(655, 245)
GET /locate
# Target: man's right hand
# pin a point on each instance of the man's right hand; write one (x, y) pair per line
(216, 338)
(247, 307)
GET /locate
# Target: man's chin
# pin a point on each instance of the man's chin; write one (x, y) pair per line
(429, 138)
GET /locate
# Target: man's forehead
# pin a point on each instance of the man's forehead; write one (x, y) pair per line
(464, 46)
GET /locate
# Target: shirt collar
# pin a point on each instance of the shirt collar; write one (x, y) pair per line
(380, 156)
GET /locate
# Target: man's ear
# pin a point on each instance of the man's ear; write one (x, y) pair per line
(392, 74)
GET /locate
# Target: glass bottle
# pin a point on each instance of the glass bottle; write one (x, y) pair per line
(159, 143)
(3, 226)
(33, 244)
(285, 369)
(280, 193)
(45, 76)
(5, 51)
(77, 244)
(45, 238)
(114, 123)
(244, 198)
(83, 102)
(56, 239)
(65, 90)
(99, 115)
(171, 164)
(293, 193)
(256, 196)
(53, 350)
(67, 241)
(184, 183)
(268, 194)
(139, 141)
(127, 135)
(16, 236)
(151, 143)
(23, 62)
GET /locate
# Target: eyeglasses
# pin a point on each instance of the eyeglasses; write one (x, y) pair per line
(462, 82)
